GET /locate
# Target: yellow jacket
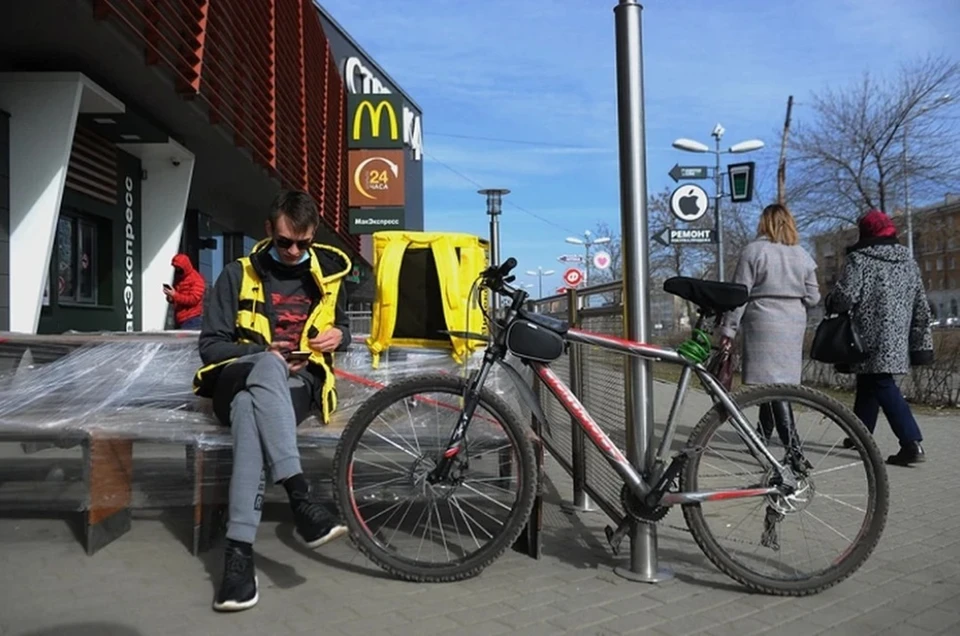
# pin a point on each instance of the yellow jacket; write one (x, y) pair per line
(239, 320)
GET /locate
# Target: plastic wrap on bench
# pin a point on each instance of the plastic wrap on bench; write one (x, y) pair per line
(111, 425)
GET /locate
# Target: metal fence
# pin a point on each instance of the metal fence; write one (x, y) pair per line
(359, 322)
(596, 377)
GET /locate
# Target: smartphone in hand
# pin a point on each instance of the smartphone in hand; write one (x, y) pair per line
(297, 356)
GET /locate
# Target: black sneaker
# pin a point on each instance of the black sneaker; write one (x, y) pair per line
(314, 523)
(239, 589)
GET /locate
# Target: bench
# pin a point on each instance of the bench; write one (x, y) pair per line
(107, 438)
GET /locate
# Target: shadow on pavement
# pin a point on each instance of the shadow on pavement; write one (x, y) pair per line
(286, 535)
(86, 629)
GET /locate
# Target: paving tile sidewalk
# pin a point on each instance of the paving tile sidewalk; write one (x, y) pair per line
(147, 583)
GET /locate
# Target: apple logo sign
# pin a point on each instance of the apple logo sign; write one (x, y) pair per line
(689, 203)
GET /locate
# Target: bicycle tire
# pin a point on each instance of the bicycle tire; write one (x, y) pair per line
(483, 557)
(877, 507)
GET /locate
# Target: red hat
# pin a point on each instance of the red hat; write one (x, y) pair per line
(876, 224)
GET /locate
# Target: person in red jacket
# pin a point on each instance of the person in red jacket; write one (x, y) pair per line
(186, 295)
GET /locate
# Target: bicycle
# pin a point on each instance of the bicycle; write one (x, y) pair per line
(440, 477)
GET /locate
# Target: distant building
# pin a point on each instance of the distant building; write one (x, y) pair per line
(936, 246)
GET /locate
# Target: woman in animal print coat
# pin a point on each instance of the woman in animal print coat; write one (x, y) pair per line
(881, 286)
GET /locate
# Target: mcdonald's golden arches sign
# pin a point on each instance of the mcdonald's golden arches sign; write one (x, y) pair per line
(374, 121)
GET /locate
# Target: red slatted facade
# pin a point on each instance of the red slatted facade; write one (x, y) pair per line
(265, 72)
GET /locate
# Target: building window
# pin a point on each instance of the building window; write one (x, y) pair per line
(77, 261)
(953, 262)
(939, 264)
(953, 307)
(927, 265)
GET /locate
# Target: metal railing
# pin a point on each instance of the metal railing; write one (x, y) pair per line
(596, 377)
(360, 322)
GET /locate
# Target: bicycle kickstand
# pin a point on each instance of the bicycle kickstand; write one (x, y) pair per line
(615, 537)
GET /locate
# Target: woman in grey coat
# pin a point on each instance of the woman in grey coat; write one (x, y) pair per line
(782, 279)
(881, 287)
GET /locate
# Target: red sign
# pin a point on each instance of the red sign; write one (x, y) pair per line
(573, 277)
(561, 290)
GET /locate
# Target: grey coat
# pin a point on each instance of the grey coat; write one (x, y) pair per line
(782, 280)
(881, 286)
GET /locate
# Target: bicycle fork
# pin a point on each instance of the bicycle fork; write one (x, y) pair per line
(471, 398)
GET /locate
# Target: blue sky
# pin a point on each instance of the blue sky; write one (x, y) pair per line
(544, 72)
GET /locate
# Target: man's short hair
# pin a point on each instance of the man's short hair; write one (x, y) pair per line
(299, 208)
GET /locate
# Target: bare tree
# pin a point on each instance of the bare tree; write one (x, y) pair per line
(857, 147)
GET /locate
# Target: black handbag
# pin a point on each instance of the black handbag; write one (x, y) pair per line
(837, 341)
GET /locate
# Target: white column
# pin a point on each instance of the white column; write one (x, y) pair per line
(163, 203)
(43, 111)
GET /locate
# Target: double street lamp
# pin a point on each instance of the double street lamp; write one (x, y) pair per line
(587, 243)
(689, 145)
(540, 273)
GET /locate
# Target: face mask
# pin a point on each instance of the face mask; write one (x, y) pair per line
(304, 256)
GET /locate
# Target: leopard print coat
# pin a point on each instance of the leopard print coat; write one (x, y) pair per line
(881, 286)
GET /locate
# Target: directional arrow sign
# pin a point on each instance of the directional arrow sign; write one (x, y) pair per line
(678, 172)
(669, 236)
(663, 237)
(570, 258)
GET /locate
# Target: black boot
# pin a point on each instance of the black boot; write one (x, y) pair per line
(910, 453)
(239, 588)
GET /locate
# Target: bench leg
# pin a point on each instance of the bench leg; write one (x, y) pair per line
(211, 483)
(108, 476)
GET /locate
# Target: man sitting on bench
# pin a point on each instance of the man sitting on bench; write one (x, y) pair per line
(275, 318)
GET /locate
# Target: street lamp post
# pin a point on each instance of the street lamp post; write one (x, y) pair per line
(540, 273)
(587, 243)
(690, 145)
(494, 207)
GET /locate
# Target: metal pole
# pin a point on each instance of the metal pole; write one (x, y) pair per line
(634, 230)
(586, 263)
(718, 182)
(578, 451)
(494, 203)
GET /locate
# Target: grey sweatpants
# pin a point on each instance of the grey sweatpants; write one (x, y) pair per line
(264, 425)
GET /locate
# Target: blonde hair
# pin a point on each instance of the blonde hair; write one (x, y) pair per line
(777, 224)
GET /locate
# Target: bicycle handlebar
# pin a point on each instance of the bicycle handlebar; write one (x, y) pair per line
(497, 277)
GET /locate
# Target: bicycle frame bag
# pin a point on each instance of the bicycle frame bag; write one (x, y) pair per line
(529, 341)
(422, 289)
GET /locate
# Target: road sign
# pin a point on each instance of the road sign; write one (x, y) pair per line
(669, 236)
(689, 202)
(741, 181)
(570, 258)
(561, 290)
(601, 260)
(573, 277)
(678, 172)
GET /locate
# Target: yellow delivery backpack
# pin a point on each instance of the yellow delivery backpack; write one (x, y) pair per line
(423, 284)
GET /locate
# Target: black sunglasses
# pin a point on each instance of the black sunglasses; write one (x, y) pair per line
(285, 243)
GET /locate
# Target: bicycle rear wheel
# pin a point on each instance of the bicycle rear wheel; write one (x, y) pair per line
(425, 532)
(834, 456)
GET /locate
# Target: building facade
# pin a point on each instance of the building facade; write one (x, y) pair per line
(130, 131)
(936, 246)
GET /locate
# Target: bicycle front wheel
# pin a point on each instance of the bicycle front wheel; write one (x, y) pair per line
(809, 540)
(426, 532)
